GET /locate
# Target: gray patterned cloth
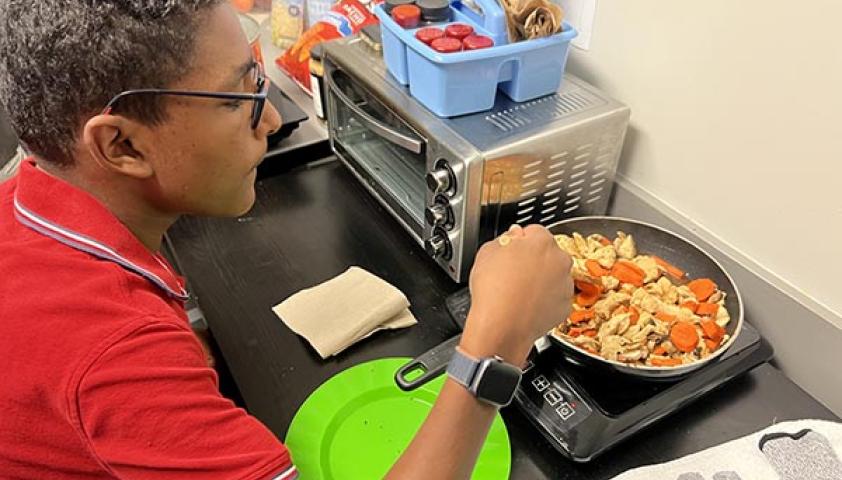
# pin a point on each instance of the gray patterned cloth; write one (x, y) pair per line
(802, 450)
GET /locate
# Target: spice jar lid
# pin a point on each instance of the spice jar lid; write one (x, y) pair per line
(458, 30)
(407, 16)
(434, 10)
(476, 42)
(388, 5)
(428, 34)
(446, 45)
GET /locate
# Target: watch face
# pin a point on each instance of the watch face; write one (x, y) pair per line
(498, 382)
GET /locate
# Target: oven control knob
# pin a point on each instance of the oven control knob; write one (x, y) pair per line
(436, 214)
(439, 180)
(437, 245)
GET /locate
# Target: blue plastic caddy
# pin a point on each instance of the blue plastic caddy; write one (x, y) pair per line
(452, 84)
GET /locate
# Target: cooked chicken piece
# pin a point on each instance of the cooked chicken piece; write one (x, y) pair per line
(646, 301)
(612, 300)
(612, 346)
(670, 309)
(585, 341)
(661, 328)
(628, 288)
(716, 297)
(669, 347)
(609, 282)
(633, 355)
(722, 317)
(625, 246)
(686, 315)
(670, 291)
(616, 325)
(639, 334)
(580, 272)
(606, 256)
(568, 245)
(685, 294)
(663, 289)
(594, 242)
(649, 267)
(581, 244)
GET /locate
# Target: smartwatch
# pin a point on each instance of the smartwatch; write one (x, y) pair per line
(490, 379)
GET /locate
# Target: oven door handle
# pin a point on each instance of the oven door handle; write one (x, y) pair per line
(414, 145)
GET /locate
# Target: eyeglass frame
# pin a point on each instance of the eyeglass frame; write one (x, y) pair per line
(259, 98)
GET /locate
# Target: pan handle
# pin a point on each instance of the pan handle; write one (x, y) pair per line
(432, 363)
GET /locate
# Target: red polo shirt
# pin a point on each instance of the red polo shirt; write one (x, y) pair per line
(101, 374)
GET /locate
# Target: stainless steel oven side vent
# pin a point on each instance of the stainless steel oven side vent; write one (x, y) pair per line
(543, 110)
(569, 183)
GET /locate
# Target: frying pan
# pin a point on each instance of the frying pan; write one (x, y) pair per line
(650, 240)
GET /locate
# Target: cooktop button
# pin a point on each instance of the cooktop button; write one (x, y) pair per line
(552, 397)
(565, 411)
(540, 383)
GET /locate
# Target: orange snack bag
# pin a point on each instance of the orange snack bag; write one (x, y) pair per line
(345, 18)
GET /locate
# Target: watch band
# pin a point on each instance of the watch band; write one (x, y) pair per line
(463, 368)
(489, 379)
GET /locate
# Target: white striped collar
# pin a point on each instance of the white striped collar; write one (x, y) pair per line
(64, 201)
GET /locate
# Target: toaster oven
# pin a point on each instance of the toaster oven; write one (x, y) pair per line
(454, 183)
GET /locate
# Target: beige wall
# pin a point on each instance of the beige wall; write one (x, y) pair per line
(736, 123)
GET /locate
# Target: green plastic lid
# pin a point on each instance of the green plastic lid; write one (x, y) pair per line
(357, 424)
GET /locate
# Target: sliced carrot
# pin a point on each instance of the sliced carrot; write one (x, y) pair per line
(702, 288)
(586, 300)
(633, 267)
(590, 350)
(628, 272)
(670, 268)
(604, 241)
(595, 269)
(666, 362)
(635, 315)
(589, 293)
(579, 316)
(588, 288)
(692, 306)
(575, 331)
(620, 310)
(665, 317)
(659, 350)
(712, 344)
(684, 336)
(591, 332)
(712, 330)
(707, 309)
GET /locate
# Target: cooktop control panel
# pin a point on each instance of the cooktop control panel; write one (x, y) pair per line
(548, 399)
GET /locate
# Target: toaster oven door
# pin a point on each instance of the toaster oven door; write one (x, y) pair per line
(379, 147)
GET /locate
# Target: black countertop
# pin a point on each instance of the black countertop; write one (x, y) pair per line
(311, 224)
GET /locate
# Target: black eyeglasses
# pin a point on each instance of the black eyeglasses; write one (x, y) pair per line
(259, 97)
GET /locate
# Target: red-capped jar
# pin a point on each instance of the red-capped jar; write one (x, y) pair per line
(407, 16)
(476, 42)
(458, 31)
(446, 45)
(428, 34)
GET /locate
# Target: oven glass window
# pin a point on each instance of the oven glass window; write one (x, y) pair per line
(384, 150)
